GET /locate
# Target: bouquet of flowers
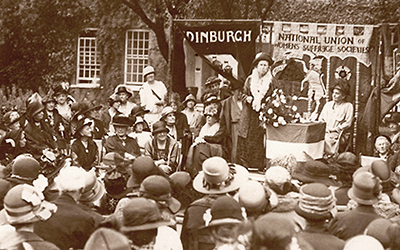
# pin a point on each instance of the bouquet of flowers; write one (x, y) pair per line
(278, 109)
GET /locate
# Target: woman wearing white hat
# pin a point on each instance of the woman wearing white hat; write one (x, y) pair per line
(153, 92)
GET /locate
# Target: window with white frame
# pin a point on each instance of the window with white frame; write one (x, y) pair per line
(88, 66)
(136, 56)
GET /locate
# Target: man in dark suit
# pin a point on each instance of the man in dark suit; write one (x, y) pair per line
(70, 226)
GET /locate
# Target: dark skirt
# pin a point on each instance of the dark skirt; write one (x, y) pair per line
(251, 150)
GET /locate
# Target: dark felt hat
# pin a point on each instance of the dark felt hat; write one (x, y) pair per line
(123, 88)
(140, 214)
(34, 108)
(142, 167)
(25, 169)
(159, 127)
(225, 210)
(260, 57)
(347, 162)
(48, 98)
(113, 99)
(314, 171)
(122, 121)
(82, 123)
(342, 85)
(60, 89)
(115, 183)
(382, 137)
(158, 188)
(138, 111)
(392, 118)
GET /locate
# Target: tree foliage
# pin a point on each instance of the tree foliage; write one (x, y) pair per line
(37, 46)
(38, 37)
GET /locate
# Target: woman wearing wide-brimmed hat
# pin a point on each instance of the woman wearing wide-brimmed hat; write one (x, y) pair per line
(39, 135)
(259, 85)
(121, 142)
(84, 149)
(338, 115)
(217, 178)
(124, 94)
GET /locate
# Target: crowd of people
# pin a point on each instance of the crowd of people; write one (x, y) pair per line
(82, 176)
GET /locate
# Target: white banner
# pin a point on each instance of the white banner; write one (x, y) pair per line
(322, 39)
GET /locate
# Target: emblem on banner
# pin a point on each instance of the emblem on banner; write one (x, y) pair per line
(343, 72)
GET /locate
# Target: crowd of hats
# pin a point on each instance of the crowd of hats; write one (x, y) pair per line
(142, 192)
(316, 201)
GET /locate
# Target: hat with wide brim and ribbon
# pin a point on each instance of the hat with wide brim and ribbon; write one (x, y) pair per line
(219, 177)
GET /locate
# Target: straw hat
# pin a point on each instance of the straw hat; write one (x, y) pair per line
(148, 70)
(24, 204)
(364, 242)
(218, 177)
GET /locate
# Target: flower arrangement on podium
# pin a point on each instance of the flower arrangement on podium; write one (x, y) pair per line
(278, 109)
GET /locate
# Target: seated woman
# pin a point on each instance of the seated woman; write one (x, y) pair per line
(163, 149)
(209, 142)
(338, 115)
(121, 142)
(84, 149)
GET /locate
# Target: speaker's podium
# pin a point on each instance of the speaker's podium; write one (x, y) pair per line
(295, 138)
